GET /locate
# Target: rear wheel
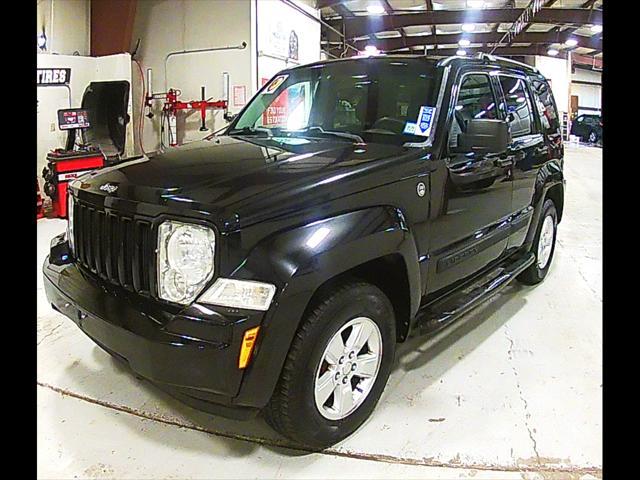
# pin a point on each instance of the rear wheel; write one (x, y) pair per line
(544, 245)
(337, 367)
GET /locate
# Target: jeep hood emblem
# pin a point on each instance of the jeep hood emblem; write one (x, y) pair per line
(109, 187)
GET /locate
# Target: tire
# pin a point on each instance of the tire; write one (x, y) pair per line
(593, 137)
(294, 410)
(540, 267)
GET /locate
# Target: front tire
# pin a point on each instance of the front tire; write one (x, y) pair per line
(544, 245)
(337, 367)
(593, 137)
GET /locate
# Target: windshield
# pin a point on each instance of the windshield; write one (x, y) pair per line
(367, 100)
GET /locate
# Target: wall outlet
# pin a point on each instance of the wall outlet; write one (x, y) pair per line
(52, 127)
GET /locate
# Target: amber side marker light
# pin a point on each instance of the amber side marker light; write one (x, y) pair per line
(248, 341)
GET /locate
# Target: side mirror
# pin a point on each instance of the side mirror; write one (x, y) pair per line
(484, 136)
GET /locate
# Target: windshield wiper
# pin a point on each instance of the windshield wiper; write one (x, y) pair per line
(250, 131)
(318, 129)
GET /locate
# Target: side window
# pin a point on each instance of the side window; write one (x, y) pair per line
(546, 107)
(475, 100)
(518, 106)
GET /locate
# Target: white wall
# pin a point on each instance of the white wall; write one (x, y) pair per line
(66, 24)
(176, 25)
(196, 24)
(84, 70)
(276, 21)
(588, 95)
(558, 72)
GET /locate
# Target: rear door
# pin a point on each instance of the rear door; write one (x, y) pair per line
(528, 148)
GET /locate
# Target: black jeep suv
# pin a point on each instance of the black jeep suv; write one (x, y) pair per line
(350, 204)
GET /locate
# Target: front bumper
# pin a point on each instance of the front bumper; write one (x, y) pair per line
(190, 353)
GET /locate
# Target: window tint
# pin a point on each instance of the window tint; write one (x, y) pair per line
(518, 106)
(475, 100)
(546, 107)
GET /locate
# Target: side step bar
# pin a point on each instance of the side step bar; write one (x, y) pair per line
(443, 311)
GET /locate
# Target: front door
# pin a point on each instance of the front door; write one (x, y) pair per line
(471, 191)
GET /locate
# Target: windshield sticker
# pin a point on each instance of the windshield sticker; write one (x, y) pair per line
(410, 128)
(425, 121)
(279, 80)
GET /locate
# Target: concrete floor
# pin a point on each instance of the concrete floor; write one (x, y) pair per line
(512, 391)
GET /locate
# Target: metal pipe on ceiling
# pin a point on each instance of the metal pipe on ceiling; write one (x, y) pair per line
(242, 46)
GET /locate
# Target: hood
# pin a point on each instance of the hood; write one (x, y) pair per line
(246, 179)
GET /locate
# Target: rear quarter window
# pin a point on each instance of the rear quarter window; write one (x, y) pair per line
(546, 106)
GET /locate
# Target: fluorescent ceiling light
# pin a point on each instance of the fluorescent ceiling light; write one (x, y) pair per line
(371, 50)
(475, 3)
(552, 52)
(461, 53)
(464, 42)
(596, 28)
(468, 27)
(375, 9)
(572, 42)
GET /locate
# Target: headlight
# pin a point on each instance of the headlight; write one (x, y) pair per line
(239, 294)
(185, 260)
(70, 220)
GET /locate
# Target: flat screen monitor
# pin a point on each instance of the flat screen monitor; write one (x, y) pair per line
(72, 118)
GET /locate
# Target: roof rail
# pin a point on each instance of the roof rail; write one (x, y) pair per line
(488, 58)
(495, 58)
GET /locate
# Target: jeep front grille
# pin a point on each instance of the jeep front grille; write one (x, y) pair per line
(115, 247)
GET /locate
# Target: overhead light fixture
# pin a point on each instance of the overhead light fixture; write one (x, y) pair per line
(596, 28)
(468, 27)
(464, 42)
(375, 9)
(475, 3)
(571, 42)
(552, 52)
(371, 50)
(461, 52)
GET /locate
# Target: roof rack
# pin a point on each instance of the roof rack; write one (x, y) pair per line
(495, 58)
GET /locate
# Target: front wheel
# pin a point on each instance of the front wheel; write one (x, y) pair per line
(337, 367)
(544, 245)
(593, 137)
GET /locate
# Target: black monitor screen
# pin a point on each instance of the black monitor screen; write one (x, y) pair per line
(73, 118)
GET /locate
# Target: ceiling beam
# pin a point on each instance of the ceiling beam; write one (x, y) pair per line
(343, 11)
(589, 4)
(358, 26)
(536, 38)
(327, 3)
(500, 51)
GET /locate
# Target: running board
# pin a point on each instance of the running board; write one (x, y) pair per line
(443, 311)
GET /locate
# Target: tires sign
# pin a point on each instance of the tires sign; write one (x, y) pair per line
(53, 76)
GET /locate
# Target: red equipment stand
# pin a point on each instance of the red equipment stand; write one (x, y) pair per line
(39, 202)
(63, 167)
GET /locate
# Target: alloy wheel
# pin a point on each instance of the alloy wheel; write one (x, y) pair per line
(545, 243)
(348, 368)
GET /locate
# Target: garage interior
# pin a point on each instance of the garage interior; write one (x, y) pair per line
(511, 390)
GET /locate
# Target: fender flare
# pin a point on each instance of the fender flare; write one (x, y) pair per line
(549, 175)
(298, 261)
